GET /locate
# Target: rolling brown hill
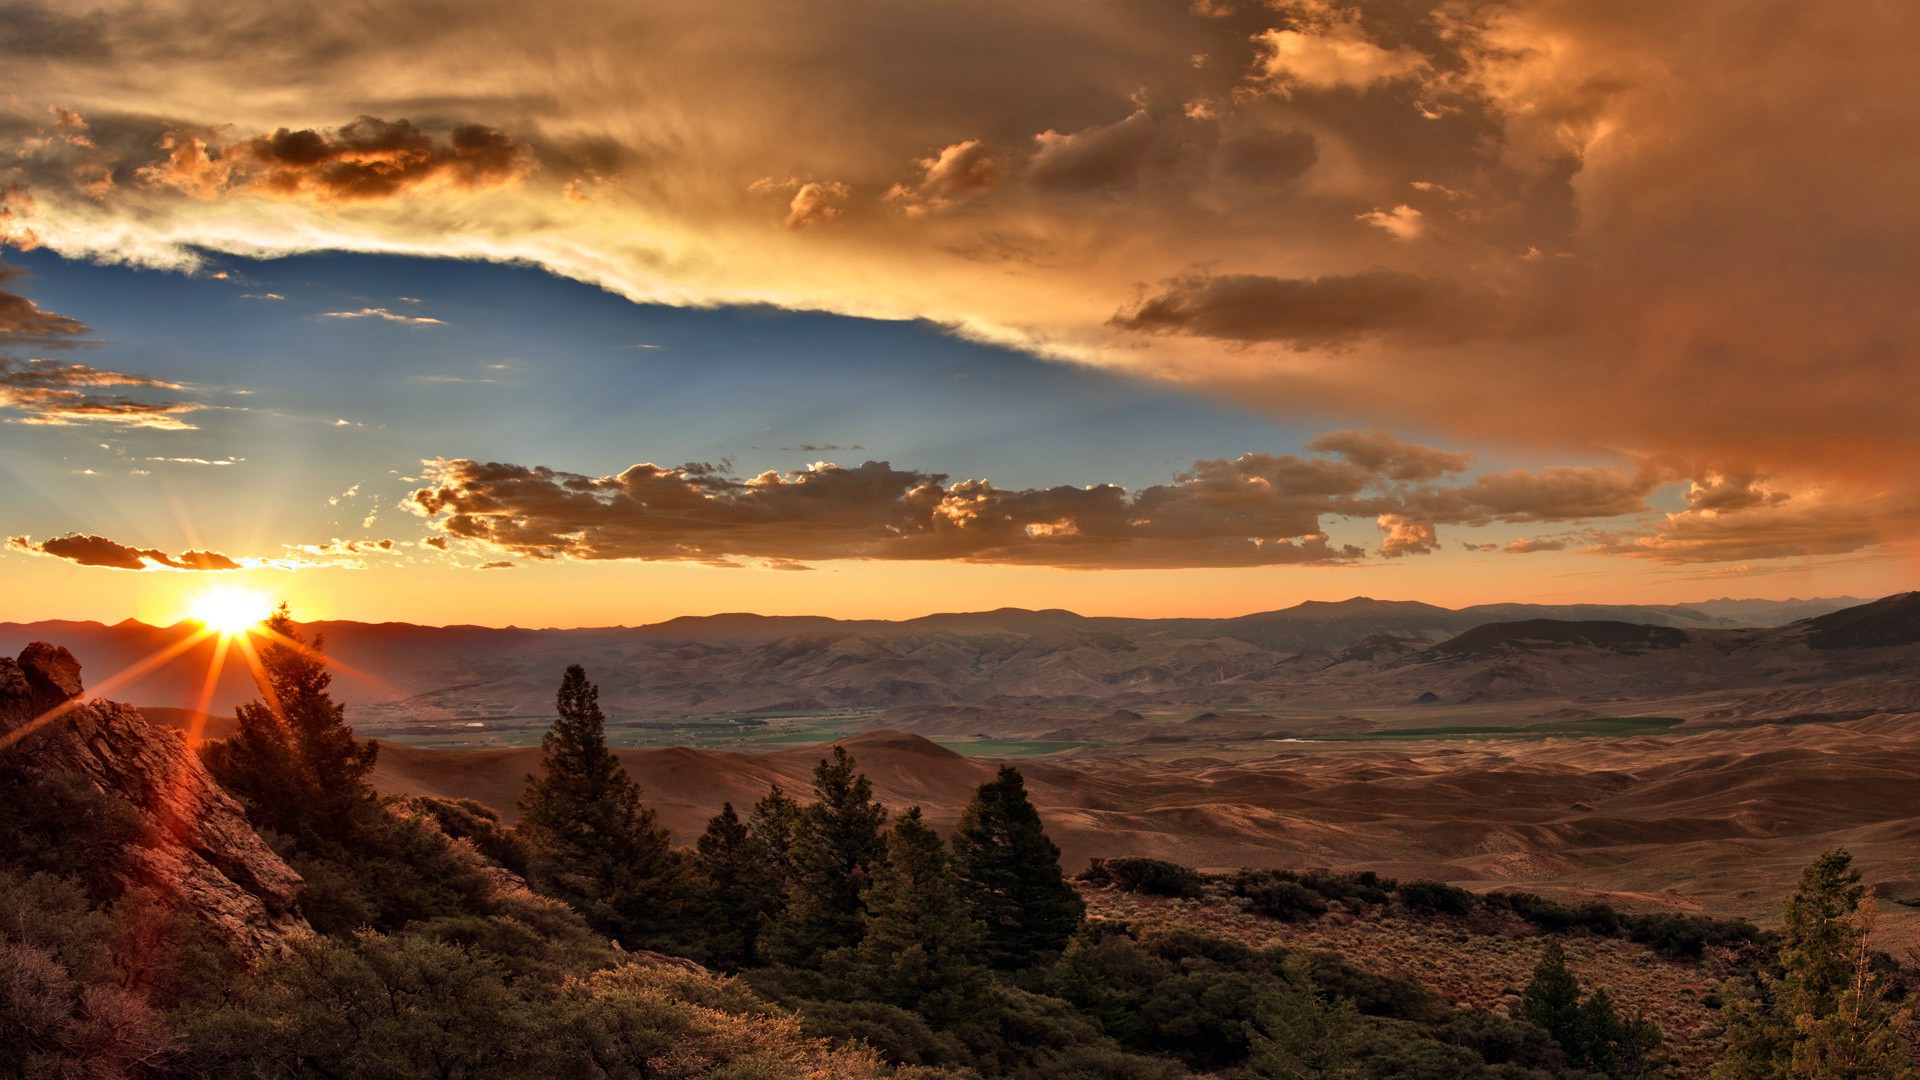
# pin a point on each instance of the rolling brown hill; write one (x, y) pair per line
(1718, 821)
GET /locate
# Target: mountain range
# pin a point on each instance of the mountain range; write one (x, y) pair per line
(743, 663)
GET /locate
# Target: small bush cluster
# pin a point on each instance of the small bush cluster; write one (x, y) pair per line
(1149, 877)
(1304, 895)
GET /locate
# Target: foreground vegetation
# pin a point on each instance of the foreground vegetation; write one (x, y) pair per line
(816, 936)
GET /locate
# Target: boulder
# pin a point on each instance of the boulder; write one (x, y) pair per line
(51, 669)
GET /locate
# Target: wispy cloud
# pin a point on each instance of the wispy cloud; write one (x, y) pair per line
(51, 393)
(385, 315)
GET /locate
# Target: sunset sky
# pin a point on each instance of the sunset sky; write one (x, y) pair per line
(602, 313)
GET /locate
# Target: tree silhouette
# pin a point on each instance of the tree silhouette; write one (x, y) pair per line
(919, 941)
(837, 847)
(292, 758)
(595, 845)
(1012, 875)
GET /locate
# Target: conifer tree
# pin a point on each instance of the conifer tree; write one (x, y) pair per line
(740, 888)
(1552, 1001)
(1858, 1038)
(1012, 875)
(772, 825)
(1591, 1032)
(837, 846)
(1822, 1013)
(595, 845)
(293, 759)
(919, 941)
(1301, 1034)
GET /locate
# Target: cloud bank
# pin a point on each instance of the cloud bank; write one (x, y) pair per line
(1679, 233)
(1254, 510)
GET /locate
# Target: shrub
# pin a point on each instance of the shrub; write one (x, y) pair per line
(1426, 897)
(1152, 877)
(1285, 900)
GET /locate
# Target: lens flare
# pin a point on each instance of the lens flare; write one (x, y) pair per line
(229, 611)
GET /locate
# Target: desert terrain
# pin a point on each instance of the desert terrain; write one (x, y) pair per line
(1652, 765)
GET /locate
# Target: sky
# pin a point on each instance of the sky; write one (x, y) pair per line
(602, 313)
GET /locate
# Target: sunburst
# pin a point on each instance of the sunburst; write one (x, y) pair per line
(229, 612)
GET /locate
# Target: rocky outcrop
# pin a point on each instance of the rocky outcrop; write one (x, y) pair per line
(195, 848)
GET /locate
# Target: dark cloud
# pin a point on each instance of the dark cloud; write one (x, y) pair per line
(1097, 157)
(59, 394)
(89, 550)
(1302, 312)
(1377, 451)
(1559, 493)
(1269, 157)
(1771, 526)
(1526, 546)
(1255, 510)
(1725, 492)
(28, 29)
(369, 159)
(1222, 514)
(500, 565)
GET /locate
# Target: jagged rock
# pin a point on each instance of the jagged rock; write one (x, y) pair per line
(197, 849)
(51, 669)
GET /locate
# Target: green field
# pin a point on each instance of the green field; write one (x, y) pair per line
(725, 731)
(1613, 726)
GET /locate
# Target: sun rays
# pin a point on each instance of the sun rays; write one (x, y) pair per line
(229, 611)
(230, 621)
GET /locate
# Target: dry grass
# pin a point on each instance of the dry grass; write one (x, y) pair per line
(1482, 961)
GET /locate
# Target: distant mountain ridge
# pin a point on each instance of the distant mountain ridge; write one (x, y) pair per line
(740, 662)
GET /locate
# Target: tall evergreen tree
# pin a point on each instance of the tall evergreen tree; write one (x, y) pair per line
(1012, 875)
(1822, 1012)
(595, 845)
(1552, 1001)
(837, 847)
(772, 825)
(740, 888)
(919, 943)
(1591, 1032)
(292, 758)
(1858, 1039)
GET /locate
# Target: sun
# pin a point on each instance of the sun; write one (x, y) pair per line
(229, 611)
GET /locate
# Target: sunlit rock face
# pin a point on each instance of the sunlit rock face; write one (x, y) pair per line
(195, 848)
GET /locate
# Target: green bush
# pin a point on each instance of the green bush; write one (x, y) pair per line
(1424, 897)
(1152, 877)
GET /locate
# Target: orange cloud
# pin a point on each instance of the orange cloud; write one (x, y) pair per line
(1254, 510)
(88, 550)
(46, 392)
(1661, 231)
(364, 160)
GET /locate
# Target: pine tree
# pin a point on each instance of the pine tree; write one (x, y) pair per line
(1822, 1013)
(1552, 1001)
(1012, 875)
(919, 941)
(773, 823)
(1858, 1039)
(740, 888)
(1591, 1032)
(595, 845)
(293, 759)
(1301, 1034)
(837, 846)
